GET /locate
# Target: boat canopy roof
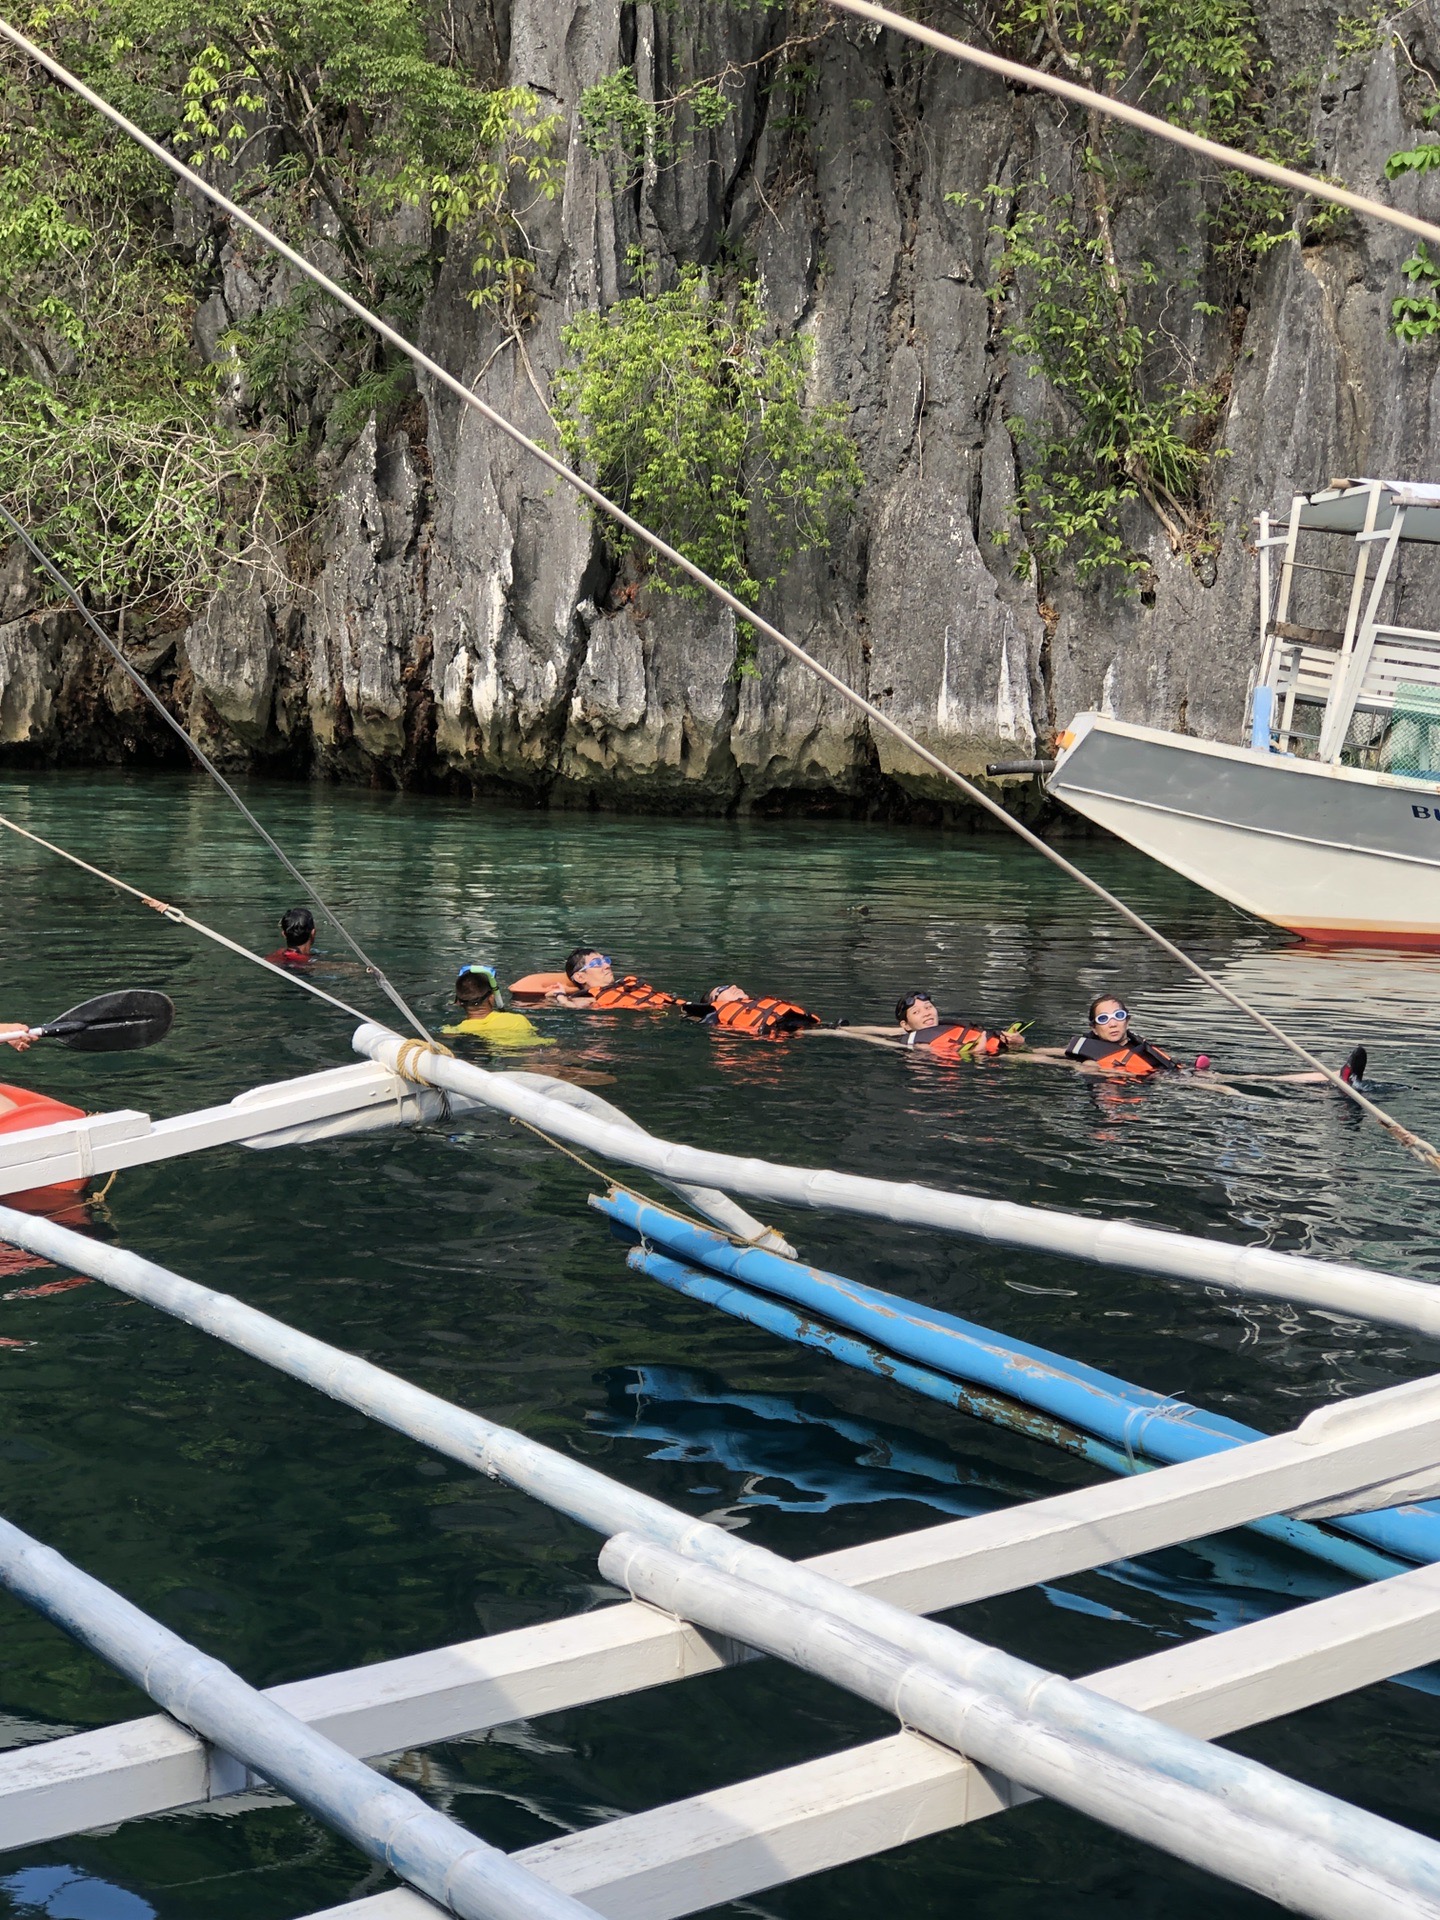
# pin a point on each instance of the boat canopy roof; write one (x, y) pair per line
(1342, 506)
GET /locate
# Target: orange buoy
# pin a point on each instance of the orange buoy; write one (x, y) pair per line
(535, 986)
(21, 1108)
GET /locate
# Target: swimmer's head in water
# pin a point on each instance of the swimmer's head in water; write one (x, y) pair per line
(298, 926)
(1109, 1015)
(476, 986)
(589, 969)
(917, 1011)
(722, 996)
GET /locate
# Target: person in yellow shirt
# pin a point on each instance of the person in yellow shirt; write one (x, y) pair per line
(477, 994)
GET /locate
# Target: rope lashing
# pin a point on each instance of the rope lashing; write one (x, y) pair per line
(410, 1050)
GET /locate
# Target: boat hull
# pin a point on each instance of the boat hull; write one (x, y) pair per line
(1337, 855)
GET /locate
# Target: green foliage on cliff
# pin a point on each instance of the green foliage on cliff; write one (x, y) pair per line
(633, 133)
(696, 423)
(1416, 313)
(341, 126)
(1136, 437)
(1140, 411)
(109, 448)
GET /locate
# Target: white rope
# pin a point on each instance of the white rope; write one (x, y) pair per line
(673, 557)
(184, 920)
(377, 974)
(1042, 82)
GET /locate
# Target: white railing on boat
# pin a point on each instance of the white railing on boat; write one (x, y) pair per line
(840, 1616)
(1355, 663)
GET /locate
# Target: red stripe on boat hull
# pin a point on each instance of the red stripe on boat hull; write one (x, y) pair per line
(1414, 939)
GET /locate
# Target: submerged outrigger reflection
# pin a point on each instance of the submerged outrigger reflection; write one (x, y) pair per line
(797, 1453)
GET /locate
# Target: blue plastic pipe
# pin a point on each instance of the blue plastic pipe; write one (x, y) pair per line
(1262, 714)
(1131, 1418)
(998, 1410)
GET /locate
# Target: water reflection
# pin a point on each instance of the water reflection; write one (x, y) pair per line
(290, 1538)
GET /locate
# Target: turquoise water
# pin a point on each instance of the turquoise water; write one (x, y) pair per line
(289, 1537)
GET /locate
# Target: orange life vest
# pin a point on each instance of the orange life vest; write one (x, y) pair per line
(956, 1043)
(767, 1018)
(632, 993)
(536, 986)
(1134, 1057)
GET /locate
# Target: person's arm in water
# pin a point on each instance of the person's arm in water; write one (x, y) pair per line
(16, 1034)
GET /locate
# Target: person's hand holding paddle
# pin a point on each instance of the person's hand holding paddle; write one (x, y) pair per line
(110, 1023)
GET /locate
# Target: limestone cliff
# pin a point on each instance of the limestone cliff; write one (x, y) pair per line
(465, 627)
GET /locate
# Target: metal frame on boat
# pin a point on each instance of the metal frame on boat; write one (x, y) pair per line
(1327, 822)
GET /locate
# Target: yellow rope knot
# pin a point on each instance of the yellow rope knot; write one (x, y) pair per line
(405, 1059)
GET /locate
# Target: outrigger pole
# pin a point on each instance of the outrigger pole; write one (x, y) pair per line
(1421, 1148)
(1201, 1803)
(388, 1823)
(1327, 1284)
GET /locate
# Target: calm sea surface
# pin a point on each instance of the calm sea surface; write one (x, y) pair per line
(291, 1538)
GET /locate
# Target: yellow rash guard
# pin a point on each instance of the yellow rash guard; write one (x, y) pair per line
(502, 1030)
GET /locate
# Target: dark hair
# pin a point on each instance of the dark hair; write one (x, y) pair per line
(725, 988)
(903, 1004)
(573, 960)
(1099, 1001)
(475, 984)
(298, 926)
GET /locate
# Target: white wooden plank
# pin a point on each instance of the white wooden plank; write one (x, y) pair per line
(726, 1844)
(1271, 1667)
(106, 1143)
(994, 1553)
(148, 1766)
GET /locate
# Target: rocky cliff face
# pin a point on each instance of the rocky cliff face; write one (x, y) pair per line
(466, 627)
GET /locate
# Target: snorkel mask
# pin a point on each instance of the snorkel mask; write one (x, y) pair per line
(486, 976)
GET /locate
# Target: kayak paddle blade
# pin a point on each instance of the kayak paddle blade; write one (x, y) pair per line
(113, 1022)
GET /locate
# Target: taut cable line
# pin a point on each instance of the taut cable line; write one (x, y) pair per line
(1422, 1149)
(1039, 81)
(138, 680)
(182, 919)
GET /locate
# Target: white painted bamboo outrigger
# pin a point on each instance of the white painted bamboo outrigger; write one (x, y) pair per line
(1332, 1285)
(345, 1101)
(335, 1104)
(386, 1821)
(1067, 1740)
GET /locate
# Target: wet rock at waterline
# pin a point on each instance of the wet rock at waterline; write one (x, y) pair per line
(461, 624)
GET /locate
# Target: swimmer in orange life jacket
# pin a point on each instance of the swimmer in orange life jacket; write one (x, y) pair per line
(298, 927)
(767, 1018)
(1110, 1047)
(923, 1029)
(589, 981)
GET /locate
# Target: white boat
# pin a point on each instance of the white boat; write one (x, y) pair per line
(1327, 821)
